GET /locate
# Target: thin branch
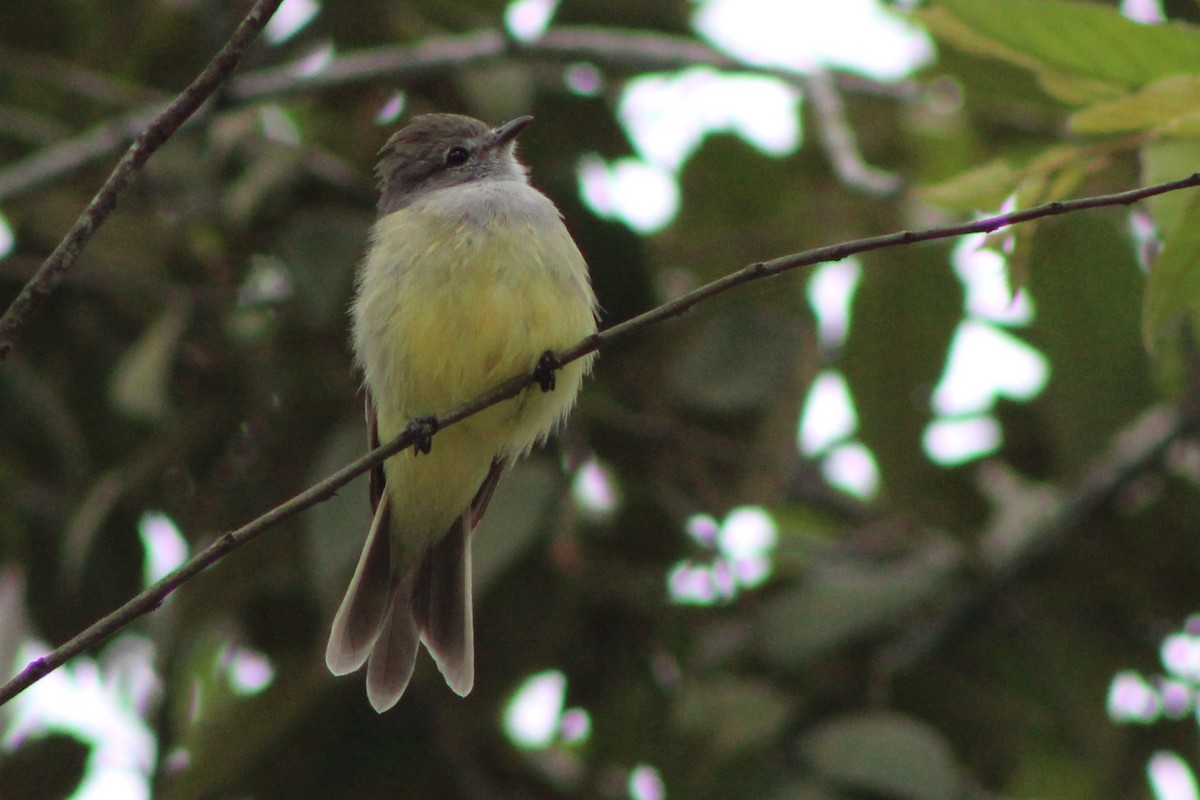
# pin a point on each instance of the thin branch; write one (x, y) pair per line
(29, 126)
(1139, 446)
(68, 155)
(837, 252)
(625, 50)
(628, 50)
(839, 141)
(153, 597)
(429, 56)
(87, 84)
(148, 141)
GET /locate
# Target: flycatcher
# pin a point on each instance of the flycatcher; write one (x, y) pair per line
(469, 279)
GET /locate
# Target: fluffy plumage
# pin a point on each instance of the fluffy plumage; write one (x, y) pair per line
(470, 277)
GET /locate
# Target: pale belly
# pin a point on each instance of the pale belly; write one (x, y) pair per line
(469, 318)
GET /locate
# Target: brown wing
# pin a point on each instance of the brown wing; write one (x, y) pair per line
(377, 476)
(486, 490)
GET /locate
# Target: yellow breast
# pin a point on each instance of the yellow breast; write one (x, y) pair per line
(452, 302)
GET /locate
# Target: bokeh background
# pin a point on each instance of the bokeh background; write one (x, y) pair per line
(919, 524)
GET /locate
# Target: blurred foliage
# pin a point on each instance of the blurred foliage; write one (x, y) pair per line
(954, 637)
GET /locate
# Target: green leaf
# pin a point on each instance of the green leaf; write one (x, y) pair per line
(736, 362)
(140, 383)
(891, 754)
(1168, 160)
(983, 187)
(735, 714)
(1057, 775)
(906, 311)
(320, 248)
(1171, 104)
(336, 529)
(45, 766)
(840, 603)
(1078, 50)
(1050, 175)
(1173, 291)
(1087, 287)
(803, 789)
(235, 730)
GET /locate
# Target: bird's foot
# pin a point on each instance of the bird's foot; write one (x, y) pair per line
(422, 430)
(543, 373)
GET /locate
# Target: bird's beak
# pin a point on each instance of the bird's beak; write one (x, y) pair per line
(509, 131)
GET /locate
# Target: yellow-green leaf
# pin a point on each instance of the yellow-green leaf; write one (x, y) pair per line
(1169, 102)
(1077, 49)
(1168, 160)
(140, 382)
(1173, 291)
(983, 187)
(884, 753)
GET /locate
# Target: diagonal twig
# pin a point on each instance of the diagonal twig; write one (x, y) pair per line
(1141, 444)
(164, 125)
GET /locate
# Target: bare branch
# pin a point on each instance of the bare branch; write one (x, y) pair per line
(148, 141)
(625, 50)
(153, 597)
(1140, 445)
(29, 126)
(837, 252)
(839, 141)
(621, 49)
(85, 83)
(630, 51)
(429, 56)
(68, 155)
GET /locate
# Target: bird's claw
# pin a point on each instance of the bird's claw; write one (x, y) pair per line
(544, 372)
(422, 430)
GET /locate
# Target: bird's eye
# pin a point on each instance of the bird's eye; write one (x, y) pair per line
(457, 156)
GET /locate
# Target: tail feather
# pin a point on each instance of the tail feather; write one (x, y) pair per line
(442, 606)
(394, 655)
(363, 612)
(383, 625)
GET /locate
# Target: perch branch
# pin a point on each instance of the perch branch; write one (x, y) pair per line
(153, 597)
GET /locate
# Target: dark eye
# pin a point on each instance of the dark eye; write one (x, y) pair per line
(457, 156)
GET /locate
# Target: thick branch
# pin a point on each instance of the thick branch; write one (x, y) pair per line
(153, 597)
(148, 141)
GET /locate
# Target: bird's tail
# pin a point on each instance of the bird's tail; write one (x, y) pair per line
(390, 666)
(381, 622)
(441, 606)
(366, 607)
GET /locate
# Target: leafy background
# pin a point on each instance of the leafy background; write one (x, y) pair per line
(965, 631)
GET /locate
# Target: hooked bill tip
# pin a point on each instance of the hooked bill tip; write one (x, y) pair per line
(510, 130)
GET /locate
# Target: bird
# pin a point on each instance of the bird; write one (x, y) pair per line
(470, 278)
